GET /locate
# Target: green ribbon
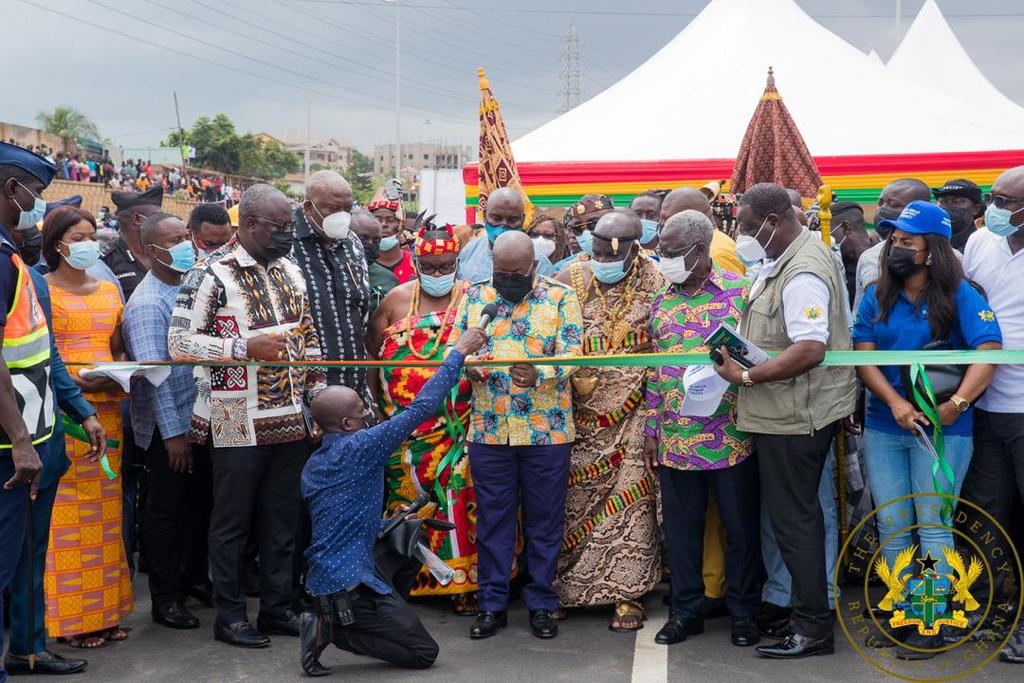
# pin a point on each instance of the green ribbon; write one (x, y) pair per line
(457, 433)
(75, 431)
(943, 479)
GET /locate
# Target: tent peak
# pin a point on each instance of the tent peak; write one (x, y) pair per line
(484, 84)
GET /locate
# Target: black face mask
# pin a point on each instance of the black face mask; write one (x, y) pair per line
(280, 245)
(31, 245)
(961, 219)
(901, 262)
(885, 215)
(372, 252)
(513, 287)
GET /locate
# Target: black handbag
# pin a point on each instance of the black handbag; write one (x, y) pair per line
(945, 379)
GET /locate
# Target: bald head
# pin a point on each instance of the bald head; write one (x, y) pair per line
(619, 223)
(1010, 182)
(505, 206)
(902, 191)
(338, 409)
(327, 181)
(513, 253)
(682, 199)
(157, 224)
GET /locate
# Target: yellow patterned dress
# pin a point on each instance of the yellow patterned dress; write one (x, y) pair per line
(87, 584)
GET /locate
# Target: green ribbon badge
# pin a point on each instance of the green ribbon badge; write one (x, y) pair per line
(75, 431)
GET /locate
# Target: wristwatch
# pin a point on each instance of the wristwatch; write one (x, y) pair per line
(745, 376)
(960, 403)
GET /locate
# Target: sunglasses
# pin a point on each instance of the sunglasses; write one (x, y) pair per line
(1000, 201)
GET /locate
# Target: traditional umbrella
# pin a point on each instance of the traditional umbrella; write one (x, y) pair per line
(773, 149)
(497, 167)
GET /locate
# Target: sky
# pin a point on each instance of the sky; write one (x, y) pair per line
(263, 62)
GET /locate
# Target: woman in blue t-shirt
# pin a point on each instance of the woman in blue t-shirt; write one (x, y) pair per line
(921, 296)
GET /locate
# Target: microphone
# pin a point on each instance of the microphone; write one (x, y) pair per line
(488, 314)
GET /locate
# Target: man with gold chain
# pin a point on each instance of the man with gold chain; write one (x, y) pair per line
(611, 558)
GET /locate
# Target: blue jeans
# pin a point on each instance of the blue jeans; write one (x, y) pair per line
(778, 585)
(899, 465)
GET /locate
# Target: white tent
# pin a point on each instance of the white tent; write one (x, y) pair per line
(708, 79)
(931, 55)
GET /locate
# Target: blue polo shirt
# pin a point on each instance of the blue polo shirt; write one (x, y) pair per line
(907, 329)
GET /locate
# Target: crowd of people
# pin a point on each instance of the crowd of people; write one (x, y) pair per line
(570, 486)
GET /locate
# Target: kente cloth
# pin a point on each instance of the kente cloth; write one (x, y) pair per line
(773, 151)
(611, 547)
(433, 460)
(87, 584)
(497, 168)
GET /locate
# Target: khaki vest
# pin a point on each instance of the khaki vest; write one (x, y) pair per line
(815, 399)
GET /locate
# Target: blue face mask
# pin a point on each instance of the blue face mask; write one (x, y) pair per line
(388, 243)
(650, 230)
(29, 218)
(437, 285)
(82, 255)
(586, 242)
(183, 256)
(611, 272)
(496, 231)
(998, 221)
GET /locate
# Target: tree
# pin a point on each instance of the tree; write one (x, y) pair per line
(68, 122)
(361, 177)
(219, 146)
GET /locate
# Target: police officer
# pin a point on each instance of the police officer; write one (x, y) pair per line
(26, 401)
(125, 255)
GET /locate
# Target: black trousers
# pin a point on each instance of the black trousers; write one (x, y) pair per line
(994, 479)
(684, 500)
(791, 467)
(387, 628)
(255, 486)
(177, 523)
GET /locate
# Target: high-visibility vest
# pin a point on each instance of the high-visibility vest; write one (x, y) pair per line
(26, 349)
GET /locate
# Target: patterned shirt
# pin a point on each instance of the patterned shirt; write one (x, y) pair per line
(680, 323)
(338, 287)
(167, 407)
(343, 484)
(229, 296)
(548, 322)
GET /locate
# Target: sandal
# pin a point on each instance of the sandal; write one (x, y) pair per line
(629, 617)
(86, 641)
(560, 614)
(465, 604)
(115, 634)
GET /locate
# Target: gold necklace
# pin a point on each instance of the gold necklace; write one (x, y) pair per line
(616, 327)
(414, 307)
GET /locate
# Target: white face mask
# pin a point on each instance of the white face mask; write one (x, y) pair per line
(543, 246)
(336, 225)
(674, 268)
(749, 250)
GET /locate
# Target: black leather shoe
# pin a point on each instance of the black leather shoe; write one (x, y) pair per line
(542, 625)
(202, 594)
(286, 624)
(47, 663)
(796, 646)
(312, 641)
(712, 608)
(744, 632)
(487, 624)
(773, 620)
(675, 631)
(239, 634)
(174, 615)
(920, 647)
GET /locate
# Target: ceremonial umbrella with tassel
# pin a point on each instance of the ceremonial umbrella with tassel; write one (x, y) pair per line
(497, 167)
(773, 151)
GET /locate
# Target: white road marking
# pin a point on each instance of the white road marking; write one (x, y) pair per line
(650, 660)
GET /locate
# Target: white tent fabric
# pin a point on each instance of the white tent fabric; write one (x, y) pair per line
(931, 55)
(707, 81)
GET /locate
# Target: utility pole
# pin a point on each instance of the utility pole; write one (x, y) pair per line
(181, 135)
(570, 67)
(899, 20)
(305, 175)
(398, 93)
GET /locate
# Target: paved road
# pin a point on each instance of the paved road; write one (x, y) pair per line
(586, 651)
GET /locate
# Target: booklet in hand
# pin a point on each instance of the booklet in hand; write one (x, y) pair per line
(745, 352)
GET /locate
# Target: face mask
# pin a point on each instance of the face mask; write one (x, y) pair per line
(31, 245)
(439, 285)
(183, 256)
(495, 231)
(674, 269)
(611, 272)
(749, 250)
(372, 251)
(280, 245)
(82, 255)
(901, 261)
(29, 218)
(998, 221)
(513, 287)
(885, 214)
(335, 226)
(586, 242)
(650, 230)
(543, 246)
(962, 220)
(388, 243)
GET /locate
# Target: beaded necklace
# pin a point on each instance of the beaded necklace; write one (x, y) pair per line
(414, 307)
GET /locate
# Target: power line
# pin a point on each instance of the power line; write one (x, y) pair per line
(570, 67)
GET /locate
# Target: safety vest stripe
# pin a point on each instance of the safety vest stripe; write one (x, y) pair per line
(35, 442)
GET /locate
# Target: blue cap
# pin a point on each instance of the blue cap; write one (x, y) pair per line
(33, 164)
(922, 218)
(74, 200)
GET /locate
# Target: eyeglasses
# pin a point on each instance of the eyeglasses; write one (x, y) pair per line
(579, 228)
(427, 269)
(278, 227)
(1000, 200)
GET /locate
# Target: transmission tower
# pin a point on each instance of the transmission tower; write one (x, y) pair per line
(570, 91)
